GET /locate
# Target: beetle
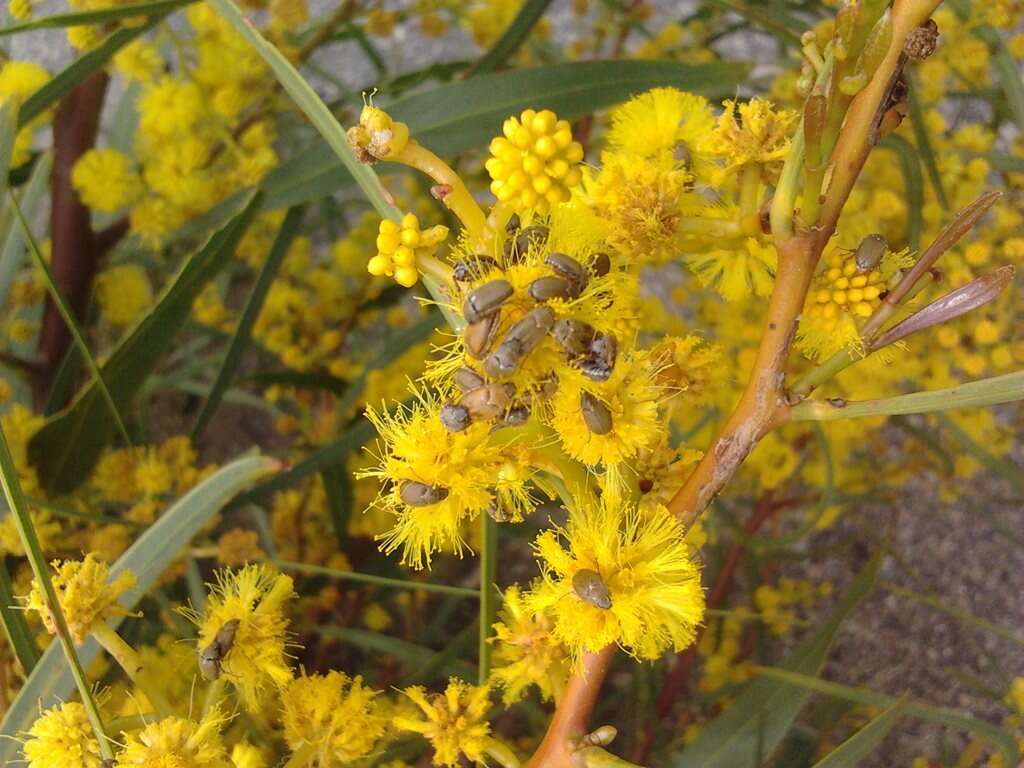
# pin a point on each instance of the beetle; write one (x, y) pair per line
(549, 287)
(212, 656)
(574, 336)
(488, 401)
(486, 300)
(869, 252)
(455, 417)
(600, 361)
(519, 342)
(466, 379)
(417, 494)
(570, 270)
(596, 415)
(590, 588)
(478, 336)
(473, 268)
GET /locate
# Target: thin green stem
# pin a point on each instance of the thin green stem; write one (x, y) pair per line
(69, 318)
(19, 510)
(383, 581)
(488, 576)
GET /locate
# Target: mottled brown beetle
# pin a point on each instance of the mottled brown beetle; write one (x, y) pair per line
(544, 288)
(473, 268)
(487, 402)
(519, 342)
(497, 511)
(516, 248)
(478, 336)
(517, 415)
(574, 336)
(417, 494)
(513, 224)
(570, 270)
(590, 588)
(466, 379)
(600, 361)
(596, 415)
(212, 656)
(486, 300)
(600, 264)
(455, 417)
(869, 253)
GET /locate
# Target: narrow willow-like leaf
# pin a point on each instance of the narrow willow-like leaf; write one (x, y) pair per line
(103, 16)
(338, 490)
(514, 35)
(51, 681)
(488, 584)
(382, 581)
(1007, 388)
(913, 184)
(1003, 468)
(995, 735)
(966, 618)
(19, 637)
(924, 142)
(8, 130)
(253, 305)
(405, 652)
(72, 324)
(763, 713)
(94, 59)
(64, 647)
(1007, 71)
(851, 752)
(13, 248)
(68, 445)
(312, 106)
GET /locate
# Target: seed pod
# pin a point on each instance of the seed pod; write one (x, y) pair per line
(596, 415)
(478, 336)
(212, 656)
(869, 252)
(487, 402)
(466, 379)
(417, 494)
(473, 268)
(497, 511)
(519, 342)
(600, 264)
(590, 588)
(455, 417)
(574, 336)
(600, 361)
(571, 270)
(486, 300)
(544, 288)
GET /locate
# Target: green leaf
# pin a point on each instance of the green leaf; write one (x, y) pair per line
(50, 681)
(764, 712)
(19, 637)
(68, 445)
(913, 184)
(999, 737)
(72, 324)
(61, 83)
(529, 14)
(974, 394)
(13, 249)
(459, 116)
(1007, 71)
(241, 337)
(86, 18)
(382, 581)
(8, 130)
(966, 618)
(924, 142)
(1003, 468)
(850, 753)
(408, 653)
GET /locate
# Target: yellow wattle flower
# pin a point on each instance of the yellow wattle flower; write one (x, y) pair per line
(378, 136)
(62, 737)
(455, 722)
(535, 164)
(176, 741)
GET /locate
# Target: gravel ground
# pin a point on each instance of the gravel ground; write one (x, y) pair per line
(890, 644)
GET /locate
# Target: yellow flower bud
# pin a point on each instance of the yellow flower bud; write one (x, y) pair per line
(399, 244)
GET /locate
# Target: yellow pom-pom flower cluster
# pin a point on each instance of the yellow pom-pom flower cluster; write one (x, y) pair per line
(106, 180)
(535, 164)
(62, 738)
(399, 244)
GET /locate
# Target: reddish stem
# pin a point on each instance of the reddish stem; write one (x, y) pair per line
(75, 255)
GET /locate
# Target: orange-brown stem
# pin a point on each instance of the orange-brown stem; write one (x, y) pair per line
(570, 722)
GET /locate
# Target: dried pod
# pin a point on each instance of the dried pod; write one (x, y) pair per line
(600, 264)
(455, 417)
(519, 342)
(574, 336)
(487, 402)
(486, 300)
(596, 415)
(545, 288)
(571, 270)
(473, 268)
(478, 336)
(212, 656)
(590, 588)
(417, 494)
(922, 41)
(466, 379)
(600, 361)
(869, 252)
